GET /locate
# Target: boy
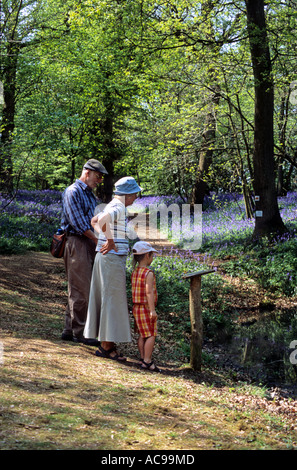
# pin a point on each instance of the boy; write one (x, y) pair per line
(144, 295)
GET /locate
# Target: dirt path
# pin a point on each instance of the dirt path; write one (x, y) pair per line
(42, 278)
(58, 395)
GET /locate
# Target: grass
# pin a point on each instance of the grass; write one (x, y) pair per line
(59, 396)
(28, 222)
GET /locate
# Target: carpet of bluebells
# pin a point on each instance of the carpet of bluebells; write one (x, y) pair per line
(34, 215)
(28, 220)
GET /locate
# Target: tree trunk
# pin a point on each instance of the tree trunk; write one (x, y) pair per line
(108, 182)
(282, 188)
(8, 115)
(110, 153)
(109, 149)
(201, 187)
(268, 219)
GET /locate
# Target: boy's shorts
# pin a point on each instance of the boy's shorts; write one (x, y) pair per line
(145, 326)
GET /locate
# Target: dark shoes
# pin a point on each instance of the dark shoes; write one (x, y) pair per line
(107, 353)
(92, 342)
(151, 366)
(86, 341)
(67, 337)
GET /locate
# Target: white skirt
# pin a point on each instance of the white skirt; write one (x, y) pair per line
(108, 316)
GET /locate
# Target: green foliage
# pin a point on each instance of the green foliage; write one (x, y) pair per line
(173, 300)
(28, 224)
(272, 264)
(133, 83)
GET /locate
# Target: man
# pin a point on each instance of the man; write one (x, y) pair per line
(79, 204)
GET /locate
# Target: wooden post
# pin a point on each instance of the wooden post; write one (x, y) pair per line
(196, 317)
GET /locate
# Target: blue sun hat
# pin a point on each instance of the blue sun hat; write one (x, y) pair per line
(126, 185)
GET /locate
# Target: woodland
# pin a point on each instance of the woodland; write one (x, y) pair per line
(197, 100)
(189, 97)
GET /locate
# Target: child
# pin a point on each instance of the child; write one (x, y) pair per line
(144, 296)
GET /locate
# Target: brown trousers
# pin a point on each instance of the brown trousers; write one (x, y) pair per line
(79, 258)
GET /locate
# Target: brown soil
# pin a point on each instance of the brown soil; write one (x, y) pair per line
(32, 301)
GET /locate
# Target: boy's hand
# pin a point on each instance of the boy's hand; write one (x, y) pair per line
(153, 315)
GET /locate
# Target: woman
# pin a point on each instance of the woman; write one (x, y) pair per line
(108, 316)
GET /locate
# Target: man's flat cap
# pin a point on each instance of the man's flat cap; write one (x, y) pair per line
(94, 165)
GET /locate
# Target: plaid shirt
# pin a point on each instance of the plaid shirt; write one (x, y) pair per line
(79, 205)
(145, 326)
(138, 281)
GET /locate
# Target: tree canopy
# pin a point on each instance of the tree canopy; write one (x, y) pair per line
(188, 97)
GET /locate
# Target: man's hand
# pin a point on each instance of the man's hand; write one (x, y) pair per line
(90, 234)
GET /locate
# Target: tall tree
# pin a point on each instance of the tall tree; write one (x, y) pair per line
(268, 219)
(19, 22)
(9, 51)
(201, 188)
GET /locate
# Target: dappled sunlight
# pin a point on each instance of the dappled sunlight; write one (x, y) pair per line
(60, 396)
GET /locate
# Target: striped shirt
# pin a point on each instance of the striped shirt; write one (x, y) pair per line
(79, 205)
(118, 225)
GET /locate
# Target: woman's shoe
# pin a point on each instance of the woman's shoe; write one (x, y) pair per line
(107, 354)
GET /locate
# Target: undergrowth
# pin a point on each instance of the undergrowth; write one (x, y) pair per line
(29, 221)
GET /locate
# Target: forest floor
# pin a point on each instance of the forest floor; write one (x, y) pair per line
(58, 395)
